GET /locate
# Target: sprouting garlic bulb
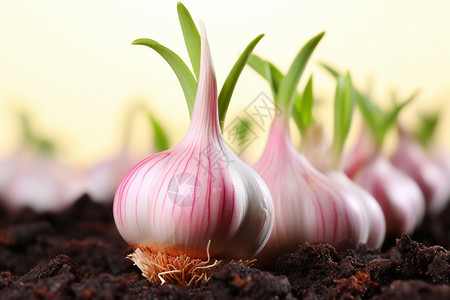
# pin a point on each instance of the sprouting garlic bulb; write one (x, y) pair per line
(399, 196)
(317, 138)
(177, 200)
(308, 205)
(412, 159)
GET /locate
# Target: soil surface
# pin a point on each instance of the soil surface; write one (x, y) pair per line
(79, 254)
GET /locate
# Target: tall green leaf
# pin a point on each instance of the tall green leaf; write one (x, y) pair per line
(391, 116)
(371, 114)
(232, 78)
(243, 128)
(27, 132)
(427, 127)
(288, 86)
(344, 103)
(331, 70)
(161, 142)
(302, 110)
(184, 75)
(191, 37)
(268, 71)
(33, 140)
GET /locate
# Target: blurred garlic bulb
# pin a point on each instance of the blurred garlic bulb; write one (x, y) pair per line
(412, 159)
(323, 161)
(398, 195)
(7, 167)
(41, 183)
(101, 180)
(33, 177)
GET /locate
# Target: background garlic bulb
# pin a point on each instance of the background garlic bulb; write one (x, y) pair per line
(412, 159)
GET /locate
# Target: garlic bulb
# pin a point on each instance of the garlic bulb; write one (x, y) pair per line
(7, 167)
(40, 182)
(308, 205)
(177, 200)
(412, 159)
(102, 179)
(374, 213)
(442, 158)
(398, 195)
(317, 138)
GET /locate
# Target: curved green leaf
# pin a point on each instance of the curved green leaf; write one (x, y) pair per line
(232, 78)
(191, 37)
(184, 75)
(243, 128)
(159, 134)
(427, 127)
(268, 71)
(288, 86)
(302, 110)
(31, 139)
(391, 117)
(331, 70)
(344, 103)
(27, 132)
(371, 114)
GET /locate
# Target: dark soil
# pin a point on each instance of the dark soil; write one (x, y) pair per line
(79, 254)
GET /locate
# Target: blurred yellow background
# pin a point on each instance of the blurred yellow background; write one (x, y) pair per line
(71, 63)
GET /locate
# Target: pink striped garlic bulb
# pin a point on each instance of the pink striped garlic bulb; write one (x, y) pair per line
(323, 161)
(308, 205)
(326, 156)
(198, 191)
(411, 158)
(398, 195)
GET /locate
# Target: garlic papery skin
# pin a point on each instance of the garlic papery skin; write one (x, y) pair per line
(308, 205)
(399, 196)
(177, 200)
(412, 159)
(374, 213)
